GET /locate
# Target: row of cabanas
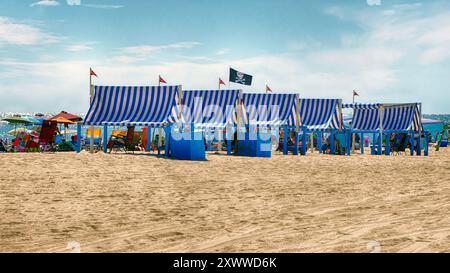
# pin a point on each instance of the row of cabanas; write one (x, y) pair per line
(186, 116)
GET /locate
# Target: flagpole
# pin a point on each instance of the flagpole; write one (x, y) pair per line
(91, 95)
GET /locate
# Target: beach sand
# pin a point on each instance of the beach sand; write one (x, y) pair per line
(317, 203)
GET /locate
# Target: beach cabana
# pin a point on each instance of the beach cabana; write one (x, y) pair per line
(147, 106)
(383, 120)
(262, 112)
(202, 112)
(319, 116)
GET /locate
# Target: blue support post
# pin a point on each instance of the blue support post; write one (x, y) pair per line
(387, 149)
(425, 149)
(167, 138)
(332, 150)
(105, 138)
(157, 145)
(208, 135)
(374, 142)
(305, 131)
(285, 138)
(228, 135)
(412, 146)
(380, 144)
(319, 142)
(295, 151)
(192, 131)
(349, 142)
(149, 141)
(419, 145)
(78, 137)
(361, 143)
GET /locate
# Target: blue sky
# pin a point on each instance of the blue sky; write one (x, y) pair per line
(390, 51)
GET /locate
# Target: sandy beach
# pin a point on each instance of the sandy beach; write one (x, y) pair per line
(141, 203)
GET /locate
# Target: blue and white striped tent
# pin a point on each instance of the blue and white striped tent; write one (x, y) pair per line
(208, 108)
(320, 114)
(132, 105)
(268, 109)
(396, 117)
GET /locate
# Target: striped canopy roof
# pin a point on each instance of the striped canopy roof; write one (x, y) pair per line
(132, 105)
(320, 114)
(268, 109)
(396, 117)
(361, 105)
(208, 108)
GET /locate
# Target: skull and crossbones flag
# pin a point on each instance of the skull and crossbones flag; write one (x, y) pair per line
(239, 77)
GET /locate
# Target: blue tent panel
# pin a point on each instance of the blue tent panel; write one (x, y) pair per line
(208, 108)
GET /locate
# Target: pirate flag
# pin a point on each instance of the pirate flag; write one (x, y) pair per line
(239, 77)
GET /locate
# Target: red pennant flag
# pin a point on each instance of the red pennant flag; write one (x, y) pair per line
(221, 82)
(268, 89)
(92, 73)
(161, 80)
(355, 94)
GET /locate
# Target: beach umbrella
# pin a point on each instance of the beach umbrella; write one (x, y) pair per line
(66, 122)
(62, 120)
(17, 120)
(68, 116)
(35, 120)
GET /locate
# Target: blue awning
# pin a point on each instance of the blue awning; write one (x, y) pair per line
(132, 105)
(269, 109)
(396, 117)
(320, 114)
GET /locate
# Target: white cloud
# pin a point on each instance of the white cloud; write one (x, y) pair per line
(435, 55)
(98, 6)
(23, 34)
(403, 27)
(79, 47)
(373, 2)
(140, 53)
(73, 2)
(66, 82)
(296, 45)
(95, 6)
(222, 51)
(45, 3)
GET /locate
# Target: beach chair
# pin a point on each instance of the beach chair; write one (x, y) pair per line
(399, 144)
(116, 140)
(133, 141)
(128, 142)
(2, 147)
(97, 139)
(46, 137)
